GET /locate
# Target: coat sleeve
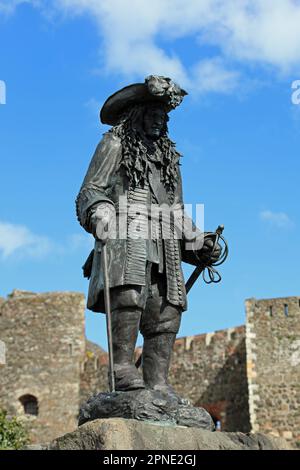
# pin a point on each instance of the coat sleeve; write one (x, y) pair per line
(97, 183)
(189, 232)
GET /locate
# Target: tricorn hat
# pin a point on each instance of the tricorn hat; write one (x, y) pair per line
(154, 89)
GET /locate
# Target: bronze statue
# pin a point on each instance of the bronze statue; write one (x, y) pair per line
(137, 166)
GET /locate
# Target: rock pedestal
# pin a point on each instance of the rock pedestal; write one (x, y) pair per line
(130, 434)
(145, 405)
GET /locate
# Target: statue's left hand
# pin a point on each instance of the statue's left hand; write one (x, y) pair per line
(206, 254)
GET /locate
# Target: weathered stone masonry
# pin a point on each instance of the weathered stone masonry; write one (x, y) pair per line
(94, 370)
(273, 366)
(210, 370)
(44, 337)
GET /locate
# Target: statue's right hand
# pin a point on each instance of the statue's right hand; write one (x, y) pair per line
(102, 220)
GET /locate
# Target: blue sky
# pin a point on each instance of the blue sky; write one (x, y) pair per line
(237, 129)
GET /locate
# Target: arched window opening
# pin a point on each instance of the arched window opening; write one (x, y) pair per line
(271, 310)
(218, 425)
(217, 422)
(30, 405)
(216, 411)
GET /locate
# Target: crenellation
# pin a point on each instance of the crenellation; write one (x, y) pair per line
(188, 342)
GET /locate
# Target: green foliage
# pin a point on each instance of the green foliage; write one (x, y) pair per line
(12, 433)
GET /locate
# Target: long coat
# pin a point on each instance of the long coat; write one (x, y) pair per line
(106, 181)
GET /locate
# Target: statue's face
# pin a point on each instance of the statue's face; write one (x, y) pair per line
(154, 120)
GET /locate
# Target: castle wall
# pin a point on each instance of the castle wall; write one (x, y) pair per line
(2, 353)
(273, 366)
(94, 370)
(210, 370)
(44, 337)
(2, 344)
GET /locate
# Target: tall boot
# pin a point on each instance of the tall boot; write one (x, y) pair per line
(125, 328)
(157, 352)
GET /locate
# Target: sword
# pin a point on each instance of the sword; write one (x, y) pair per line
(213, 274)
(111, 373)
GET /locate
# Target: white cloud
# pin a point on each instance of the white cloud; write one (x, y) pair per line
(18, 239)
(246, 31)
(211, 75)
(260, 32)
(278, 219)
(80, 241)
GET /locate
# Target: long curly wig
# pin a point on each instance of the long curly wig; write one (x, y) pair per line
(138, 149)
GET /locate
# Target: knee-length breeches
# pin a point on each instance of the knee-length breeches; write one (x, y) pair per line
(157, 314)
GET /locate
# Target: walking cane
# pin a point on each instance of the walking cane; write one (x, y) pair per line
(111, 374)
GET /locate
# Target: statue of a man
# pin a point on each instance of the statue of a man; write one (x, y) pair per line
(136, 162)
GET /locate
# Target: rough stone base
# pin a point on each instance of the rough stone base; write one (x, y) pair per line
(130, 434)
(145, 405)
